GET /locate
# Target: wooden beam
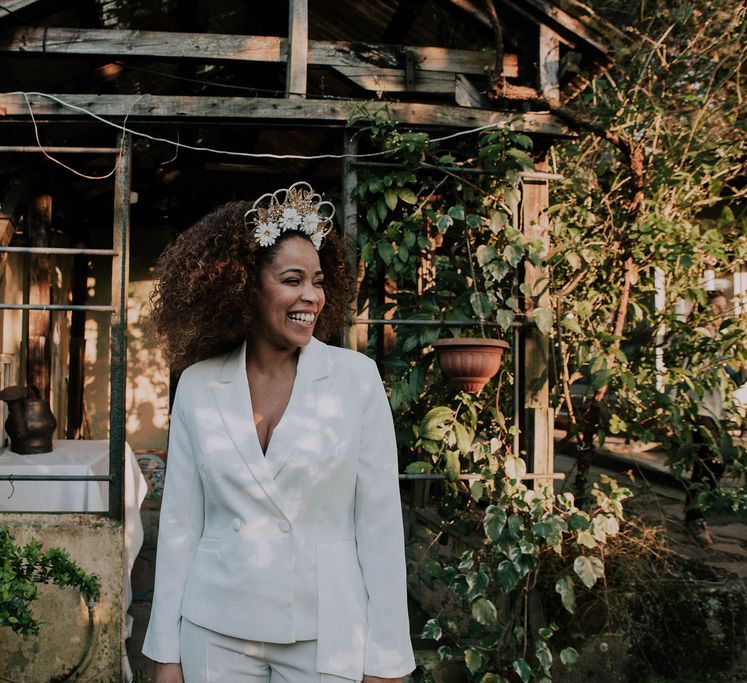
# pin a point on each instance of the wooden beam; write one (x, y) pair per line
(278, 109)
(395, 80)
(467, 95)
(9, 7)
(583, 23)
(39, 359)
(298, 48)
(475, 62)
(549, 64)
(220, 47)
(350, 231)
(537, 420)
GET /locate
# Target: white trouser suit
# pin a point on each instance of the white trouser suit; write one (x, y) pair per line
(303, 544)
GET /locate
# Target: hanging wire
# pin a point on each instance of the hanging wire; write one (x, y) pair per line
(252, 155)
(70, 168)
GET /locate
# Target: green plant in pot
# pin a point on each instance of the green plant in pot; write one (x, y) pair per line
(469, 363)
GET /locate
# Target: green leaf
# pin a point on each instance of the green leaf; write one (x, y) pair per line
(444, 652)
(494, 521)
(492, 678)
(453, 467)
(564, 587)
(522, 669)
(515, 467)
(600, 379)
(474, 221)
(506, 576)
(390, 197)
(474, 660)
(418, 467)
(485, 254)
(436, 423)
(513, 253)
(588, 569)
(381, 209)
(386, 252)
(543, 318)
(522, 140)
(431, 630)
(367, 251)
(407, 195)
(372, 217)
(523, 159)
(484, 612)
(476, 490)
(480, 304)
(456, 212)
(504, 317)
(544, 656)
(570, 323)
(464, 438)
(568, 656)
(444, 222)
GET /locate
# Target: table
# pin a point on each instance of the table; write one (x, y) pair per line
(79, 458)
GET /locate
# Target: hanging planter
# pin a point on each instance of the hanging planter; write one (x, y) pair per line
(469, 364)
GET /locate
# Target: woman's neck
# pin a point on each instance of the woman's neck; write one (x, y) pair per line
(266, 359)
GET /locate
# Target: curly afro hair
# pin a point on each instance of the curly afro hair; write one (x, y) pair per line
(207, 280)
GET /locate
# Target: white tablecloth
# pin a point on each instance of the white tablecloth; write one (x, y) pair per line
(83, 458)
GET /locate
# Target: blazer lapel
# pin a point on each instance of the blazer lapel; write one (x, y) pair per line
(235, 407)
(313, 365)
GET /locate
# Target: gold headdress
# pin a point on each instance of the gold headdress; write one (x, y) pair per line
(297, 207)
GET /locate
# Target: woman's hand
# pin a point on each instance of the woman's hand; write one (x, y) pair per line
(377, 679)
(168, 673)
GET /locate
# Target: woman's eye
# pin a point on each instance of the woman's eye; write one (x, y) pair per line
(319, 283)
(291, 282)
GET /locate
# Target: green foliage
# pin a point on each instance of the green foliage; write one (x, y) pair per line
(524, 529)
(22, 568)
(673, 96)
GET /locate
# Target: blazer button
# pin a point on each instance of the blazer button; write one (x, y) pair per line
(283, 526)
(236, 524)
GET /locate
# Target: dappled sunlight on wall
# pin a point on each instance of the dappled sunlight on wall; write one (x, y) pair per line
(147, 375)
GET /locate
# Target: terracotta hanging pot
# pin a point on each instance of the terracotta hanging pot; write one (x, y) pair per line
(470, 363)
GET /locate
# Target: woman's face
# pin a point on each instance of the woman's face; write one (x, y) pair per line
(290, 296)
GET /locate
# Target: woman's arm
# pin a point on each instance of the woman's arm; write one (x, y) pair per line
(380, 538)
(180, 528)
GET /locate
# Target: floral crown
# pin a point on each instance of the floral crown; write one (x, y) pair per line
(294, 208)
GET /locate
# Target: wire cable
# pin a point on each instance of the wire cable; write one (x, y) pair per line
(196, 148)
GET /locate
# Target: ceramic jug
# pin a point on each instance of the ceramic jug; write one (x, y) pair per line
(30, 424)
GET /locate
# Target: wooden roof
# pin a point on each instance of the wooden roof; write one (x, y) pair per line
(218, 75)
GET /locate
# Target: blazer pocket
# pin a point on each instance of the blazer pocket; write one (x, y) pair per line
(211, 544)
(342, 605)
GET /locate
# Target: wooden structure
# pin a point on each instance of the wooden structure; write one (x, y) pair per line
(204, 102)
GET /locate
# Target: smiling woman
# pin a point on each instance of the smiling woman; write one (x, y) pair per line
(207, 282)
(280, 547)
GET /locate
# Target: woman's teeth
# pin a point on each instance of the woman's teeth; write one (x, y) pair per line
(301, 317)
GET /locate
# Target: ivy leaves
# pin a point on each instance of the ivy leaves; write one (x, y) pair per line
(23, 568)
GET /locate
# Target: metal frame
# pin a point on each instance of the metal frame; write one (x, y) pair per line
(120, 254)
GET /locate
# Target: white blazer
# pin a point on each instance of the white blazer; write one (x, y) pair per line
(305, 542)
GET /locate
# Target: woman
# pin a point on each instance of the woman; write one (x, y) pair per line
(280, 549)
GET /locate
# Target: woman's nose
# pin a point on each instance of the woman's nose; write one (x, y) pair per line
(311, 293)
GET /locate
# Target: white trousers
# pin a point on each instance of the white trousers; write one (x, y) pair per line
(210, 657)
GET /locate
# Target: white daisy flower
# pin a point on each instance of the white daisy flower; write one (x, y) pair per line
(310, 222)
(290, 219)
(316, 239)
(266, 234)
